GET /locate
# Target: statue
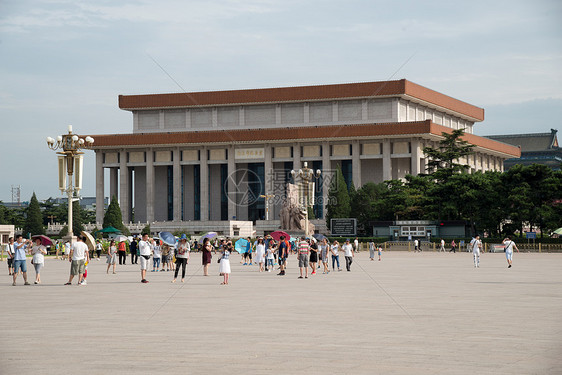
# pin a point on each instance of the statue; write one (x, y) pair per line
(292, 216)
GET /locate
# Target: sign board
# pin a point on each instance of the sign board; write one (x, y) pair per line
(531, 235)
(343, 227)
(249, 153)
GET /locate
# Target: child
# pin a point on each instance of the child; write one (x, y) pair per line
(224, 267)
(269, 258)
(85, 273)
(380, 252)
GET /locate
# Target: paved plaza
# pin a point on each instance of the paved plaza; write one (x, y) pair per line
(428, 313)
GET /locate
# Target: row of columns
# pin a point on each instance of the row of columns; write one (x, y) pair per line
(123, 176)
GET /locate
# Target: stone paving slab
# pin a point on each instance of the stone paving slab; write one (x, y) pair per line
(428, 313)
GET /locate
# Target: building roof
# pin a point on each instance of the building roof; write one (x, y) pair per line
(332, 132)
(530, 142)
(399, 88)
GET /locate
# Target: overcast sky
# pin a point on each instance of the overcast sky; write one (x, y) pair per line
(66, 62)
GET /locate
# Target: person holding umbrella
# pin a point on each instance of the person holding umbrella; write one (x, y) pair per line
(182, 258)
(39, 251)
(206, 255)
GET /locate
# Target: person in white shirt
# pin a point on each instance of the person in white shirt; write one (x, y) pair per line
(509, 245)
(335, 256)
(11, 255)
(356, 244)
(77, 258)
(182, 257)
(372, 250)
(145, 250)
(21, 248)
(349, 254)
(260, 253)
(416, 245)
(476, 246)
(157, 256)
(39, 251)
(442, 248)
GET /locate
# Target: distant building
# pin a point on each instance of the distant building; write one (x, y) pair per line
(87, 203)
(536, 148)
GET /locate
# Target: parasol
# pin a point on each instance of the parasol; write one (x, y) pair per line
(277, 235)
(209, 235)
(121, 238)
(168, 238)
(319, 237)
(241, 245)
(90, 241)
(45, 241)
(558, 231)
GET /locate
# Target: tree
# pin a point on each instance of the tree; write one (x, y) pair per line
(34, 221)
(338, 198)
(443, 161)
(112, 217)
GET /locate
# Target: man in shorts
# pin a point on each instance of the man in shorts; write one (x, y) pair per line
(77, 258)
(283, 253)
(145, 250)
(11, 255)
(20, 263)
(509, 245)
(302, 255)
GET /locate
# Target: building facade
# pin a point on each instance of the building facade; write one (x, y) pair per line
(207, 157)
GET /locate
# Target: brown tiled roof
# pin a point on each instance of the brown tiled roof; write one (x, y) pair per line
(292, 134)
(301, 93)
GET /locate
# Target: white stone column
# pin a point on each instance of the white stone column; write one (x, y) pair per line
(100, 199)
(386, 161)
(231, 178)
(356, 164)
(149, 185)
(124, 201)
(204, 183)
(326, 175)
(297, 156)
(415, 157)
(177, 185)
(268, 176)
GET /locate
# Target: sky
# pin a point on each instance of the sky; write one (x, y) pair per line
(66, 62)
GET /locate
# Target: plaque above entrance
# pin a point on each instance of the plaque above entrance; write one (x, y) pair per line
(249, 153)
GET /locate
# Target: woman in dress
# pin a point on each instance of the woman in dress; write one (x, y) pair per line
(260, 254)
(182, 258)
(324, 249)
(206, 255)
(313, 260)
(111, 256)
(39, 251)
(224, 267)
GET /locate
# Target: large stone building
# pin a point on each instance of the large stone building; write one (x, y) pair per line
(199, 159)
(536, 148)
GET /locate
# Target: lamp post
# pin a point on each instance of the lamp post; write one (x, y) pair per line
(267, 197)
(70, 162)
(306, 175)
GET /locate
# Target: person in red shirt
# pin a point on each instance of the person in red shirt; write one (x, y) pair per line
(122, 251)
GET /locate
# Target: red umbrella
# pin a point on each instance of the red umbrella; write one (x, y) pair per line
(277, 235)
(45, 241)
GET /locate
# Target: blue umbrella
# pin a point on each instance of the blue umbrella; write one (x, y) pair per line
(241, 245)
(168, 238)
(319, 236)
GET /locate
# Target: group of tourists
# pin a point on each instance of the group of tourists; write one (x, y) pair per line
(311, 255)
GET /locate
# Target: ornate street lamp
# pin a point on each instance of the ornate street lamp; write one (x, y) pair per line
(70, 161)
(267, 197)
(306, 175)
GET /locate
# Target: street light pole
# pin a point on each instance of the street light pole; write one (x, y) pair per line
(306, 175)
(267, 197)
(70, 162)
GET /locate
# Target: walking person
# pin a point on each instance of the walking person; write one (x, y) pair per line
(416, 245)
(269, 258)
(324, 250)
(442, 247)
(476, 246)
(334, 250)
(207, 256)
(313, 256)
(379, 250)
(145, 251)
(20, 261)
(356, 244)
(122, 251)
(99, 248)
(302, 256)
(260, 254)
(111, 256)
(509, 245)
(283, 253)
(372, 250)
(39, 251)
(349, 254)
(224, 266)
(78, 256)
(10, 251)
(453, 246)
(133, 248)
(182, 257)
